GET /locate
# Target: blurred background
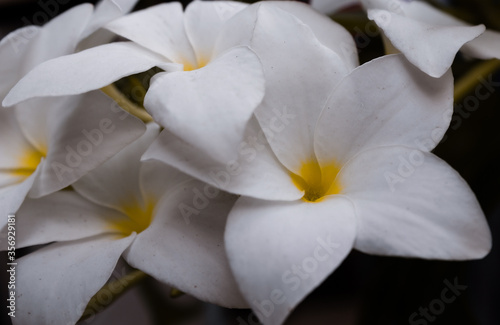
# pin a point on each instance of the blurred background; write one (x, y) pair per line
(364, 290)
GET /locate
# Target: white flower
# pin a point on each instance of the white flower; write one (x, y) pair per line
(122, 208)
(428, 37)
(209, 103)
(47, 144)
(363, 177)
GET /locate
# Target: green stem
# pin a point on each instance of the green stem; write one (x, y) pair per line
(468, 82)
(126, 104)
(110, 292)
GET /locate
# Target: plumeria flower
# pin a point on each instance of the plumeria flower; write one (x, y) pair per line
(428, 37)
(362, 177)
(47, 144)
(212, 79)
(122, 208)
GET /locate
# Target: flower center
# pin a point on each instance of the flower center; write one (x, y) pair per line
(27, 163)
(317, 182)
(139, 218)
(190, 66)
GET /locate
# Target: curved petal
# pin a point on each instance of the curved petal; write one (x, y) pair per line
(13, 51)
(61, 216)
(105, 11)
(411, 203)
(256, 172)
(11, 197)
(204, 20)
(429, 46)
(84, 134)
(84, 71)
(300, 73)
(13, 143)
(280, 251)
(115, 183)
(486, 46)
(370, 108)
(64, 276)
(184, 246)
(209, 107)
(327, 31)
(158, 28)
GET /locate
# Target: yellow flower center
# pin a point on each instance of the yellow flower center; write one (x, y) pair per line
(139, 218)
(317, 182)
(190, 66)
(27, 162)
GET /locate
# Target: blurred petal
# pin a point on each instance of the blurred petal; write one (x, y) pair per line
(115, 183)
(411, 203)
(105, 11)
(187, 252)
(84, 71)
(61, 216)
(370, 108)
(429, 46)
(256, 173)
(486, 46)
(209, 107)
(64, 276)
(281, 251)
(84, 134)
(158, 28)
(204, 21)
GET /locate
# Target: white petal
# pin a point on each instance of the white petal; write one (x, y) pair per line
(116, 182)
(371, 108)
(280, 251)
(411, 203)
(84, 134)
(209, 107)
(158, 28)
(203, 22)
(300, 72)
(327, 31)
(55, 283)
(29, 46)
(184, 246)
(13, 143)
(429, 46)
(61, 216)
(84, 71)
(11, 197)
(486, 46)
(256, 173)
(105, 11)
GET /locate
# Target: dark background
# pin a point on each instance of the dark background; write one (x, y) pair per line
(364, 290)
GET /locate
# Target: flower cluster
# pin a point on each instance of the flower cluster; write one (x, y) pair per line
(261, 154)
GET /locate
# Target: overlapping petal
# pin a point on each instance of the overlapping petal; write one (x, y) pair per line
(65, 286)
(411, 203)
(160, 29)
(83, 135)
(370, 108)
(209, 107)
(62, 216)
(428, 38)
(280, 251)
(84, 71)
(115, 183)
(184, 245)
(256, 173)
